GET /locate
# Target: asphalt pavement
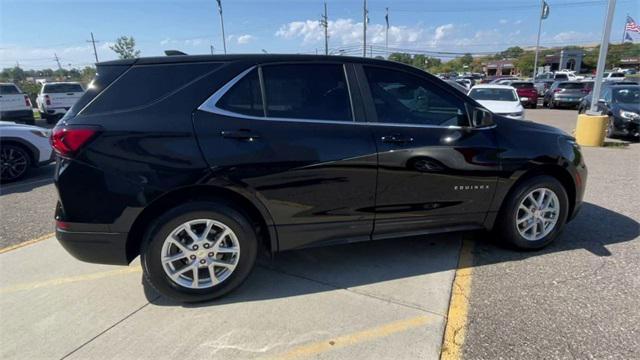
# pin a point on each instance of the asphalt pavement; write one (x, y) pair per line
(579, 298)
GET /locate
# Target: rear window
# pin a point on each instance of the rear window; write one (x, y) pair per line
(307, 91)
(572, 86)
(61, 88)
(493, 94)
(9, 90)
(522, 85)
(561, 76)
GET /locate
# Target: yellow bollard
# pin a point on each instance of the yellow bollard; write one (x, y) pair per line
(591, 129)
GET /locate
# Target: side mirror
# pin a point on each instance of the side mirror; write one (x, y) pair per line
(481, 117)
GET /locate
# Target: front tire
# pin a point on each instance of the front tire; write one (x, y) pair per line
(199, 251)
(534, 214)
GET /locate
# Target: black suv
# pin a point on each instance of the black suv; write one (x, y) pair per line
(198, 162)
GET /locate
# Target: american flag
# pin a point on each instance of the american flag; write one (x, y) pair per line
(632, 25)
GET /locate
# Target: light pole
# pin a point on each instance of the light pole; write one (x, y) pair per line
(602, 57)
(224, 41)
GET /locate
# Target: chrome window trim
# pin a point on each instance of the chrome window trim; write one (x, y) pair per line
(209, 106)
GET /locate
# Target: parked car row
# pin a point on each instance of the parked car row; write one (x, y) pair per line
(53, 101)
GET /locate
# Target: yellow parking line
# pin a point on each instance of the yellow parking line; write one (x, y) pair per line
(458, 306)
(26, 243)
(315, 348)
(69, 279)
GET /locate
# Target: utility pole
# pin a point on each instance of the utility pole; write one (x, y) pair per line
(211, 46)
(224, 41)
(324, 22)
(55, 57)
(364, 29)
(602, 58)
(94, 41)
(386, 36)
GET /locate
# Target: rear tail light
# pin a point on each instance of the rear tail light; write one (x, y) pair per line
(47, 99)
(27, 101)
(557, 90)
(67, 141)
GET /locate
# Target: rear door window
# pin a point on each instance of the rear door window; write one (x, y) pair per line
(307, 92)
(9, 90)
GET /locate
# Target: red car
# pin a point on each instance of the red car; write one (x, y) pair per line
(527, 93)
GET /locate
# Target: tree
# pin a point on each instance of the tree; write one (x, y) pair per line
(125, 47)
(401, 57)
(87, 74)
(466, 59)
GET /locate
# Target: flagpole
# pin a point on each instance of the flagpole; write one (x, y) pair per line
(535, 61)
(624, 29)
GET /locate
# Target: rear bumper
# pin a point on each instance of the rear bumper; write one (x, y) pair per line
(26, 114)
(95, 247)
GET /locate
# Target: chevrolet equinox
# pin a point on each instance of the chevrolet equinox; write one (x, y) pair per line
(196, 163)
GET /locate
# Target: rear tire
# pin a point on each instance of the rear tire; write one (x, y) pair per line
(528, 225)
(15, 162)
(219, 269)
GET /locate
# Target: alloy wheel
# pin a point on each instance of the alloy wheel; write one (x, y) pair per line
(200, 254)
(13, 163)
(537, 214)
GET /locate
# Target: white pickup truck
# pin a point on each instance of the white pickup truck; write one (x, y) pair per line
(15, 105)
(56, 98)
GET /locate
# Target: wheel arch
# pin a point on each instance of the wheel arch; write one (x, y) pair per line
(554, 170)
(257, 214)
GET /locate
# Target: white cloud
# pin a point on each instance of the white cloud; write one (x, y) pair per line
(245, 39)
(195, 42)
(503, 21)
(574, 37)
(347, 31)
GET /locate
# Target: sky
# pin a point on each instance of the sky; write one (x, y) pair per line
(32, 32)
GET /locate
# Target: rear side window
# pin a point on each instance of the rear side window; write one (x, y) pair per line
(617, 75)
(403, 98)
(9, 90)
(244, 97)
(307, 91)
(561, 77)
(61, 88)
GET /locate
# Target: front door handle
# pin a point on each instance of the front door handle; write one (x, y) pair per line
(396, 139)
(242, 134)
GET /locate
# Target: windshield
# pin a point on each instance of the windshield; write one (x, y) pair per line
(61, 88)
(627, 95)
(493, 94)
(9, 90)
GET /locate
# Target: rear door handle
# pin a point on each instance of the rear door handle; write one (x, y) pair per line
(396, 139)
(242, 134)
